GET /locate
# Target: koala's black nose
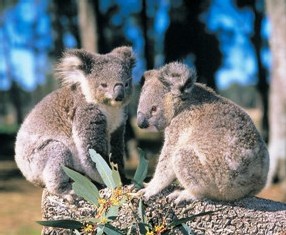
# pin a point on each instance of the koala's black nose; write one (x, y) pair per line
(142, 121)
(118, 92)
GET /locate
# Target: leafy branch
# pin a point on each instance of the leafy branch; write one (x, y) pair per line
(107, 208)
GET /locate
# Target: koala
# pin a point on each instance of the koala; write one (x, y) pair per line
(211, 145)
(88, 111)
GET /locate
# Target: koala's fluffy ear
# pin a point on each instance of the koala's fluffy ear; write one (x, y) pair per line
(148, 75)
(74, 65)
(179, 78)
(125, 53)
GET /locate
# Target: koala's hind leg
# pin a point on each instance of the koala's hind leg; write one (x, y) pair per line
(55, 179)
(190, 172)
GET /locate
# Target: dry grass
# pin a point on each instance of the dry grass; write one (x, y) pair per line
(20, 203)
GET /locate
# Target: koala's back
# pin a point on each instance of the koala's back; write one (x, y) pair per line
(229, 150)
(50, 119)
(216, 124)
(51, 115)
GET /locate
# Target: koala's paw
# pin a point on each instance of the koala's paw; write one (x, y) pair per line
(143, 193)
(180, 196)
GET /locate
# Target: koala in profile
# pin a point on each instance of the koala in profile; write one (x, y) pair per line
(87, 112)
(211, 145)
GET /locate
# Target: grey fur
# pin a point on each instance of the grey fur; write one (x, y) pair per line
(211, 145)
(87, 112)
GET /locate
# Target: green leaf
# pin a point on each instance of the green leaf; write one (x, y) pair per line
(178, 222)
(85, 193)
(133, 226)
(99, 230)
(111, 230)
(142, 228)
(82, 186)
(93, 220)
(141, 212)
(115, 174)
(69, 224)
(142, 170)
(103, 169)
(187, 230)
(112, 212)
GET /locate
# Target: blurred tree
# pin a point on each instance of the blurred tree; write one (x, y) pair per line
(87, 25)
(148, 49)
(276, 10)
(187, 38)
(262, 84)
(65, 25)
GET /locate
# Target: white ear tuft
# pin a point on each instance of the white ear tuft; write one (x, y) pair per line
(68, 70)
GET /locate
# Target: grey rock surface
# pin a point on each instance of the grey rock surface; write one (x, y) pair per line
(247, 216)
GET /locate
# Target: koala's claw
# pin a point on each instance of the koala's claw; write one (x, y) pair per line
(140, 193)
(180, 196)
(143, 193)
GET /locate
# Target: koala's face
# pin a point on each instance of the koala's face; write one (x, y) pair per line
(109, 82)
(162, 93)
(151, 108)
(104, 79)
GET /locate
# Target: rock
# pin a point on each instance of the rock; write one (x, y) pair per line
(247, 216)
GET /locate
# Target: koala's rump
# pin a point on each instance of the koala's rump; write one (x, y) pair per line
(47, 122)
(225, 147)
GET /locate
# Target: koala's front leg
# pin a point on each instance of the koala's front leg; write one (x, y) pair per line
(163, 176)
(90, 132)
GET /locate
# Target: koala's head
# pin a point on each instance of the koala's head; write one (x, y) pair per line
(104, 79)
(162, 93)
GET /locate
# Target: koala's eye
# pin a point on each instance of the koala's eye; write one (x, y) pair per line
(104, 85)
(127, 84)
(153, 109)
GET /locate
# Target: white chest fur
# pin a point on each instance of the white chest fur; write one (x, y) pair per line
(114, 117)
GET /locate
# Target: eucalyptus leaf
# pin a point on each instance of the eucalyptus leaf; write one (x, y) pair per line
(103, 169)
(142, 169)
(115, 174)
(141, 212)
(99, 230)
(93, 220)
(178, 222)
(131, 228)
(186, 230)
(111, 230)
(112, 212)
(68, 224)
(142, 228)
(83, 186)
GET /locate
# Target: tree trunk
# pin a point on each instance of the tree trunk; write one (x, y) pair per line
(262, 84)
(87, 25)
(247, 216)
(147, 47)
(276, 10)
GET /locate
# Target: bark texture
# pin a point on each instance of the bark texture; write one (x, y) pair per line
(247, 216)
(87, 25)
(276, 10)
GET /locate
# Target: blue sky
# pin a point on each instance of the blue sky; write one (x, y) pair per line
(27, 40)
